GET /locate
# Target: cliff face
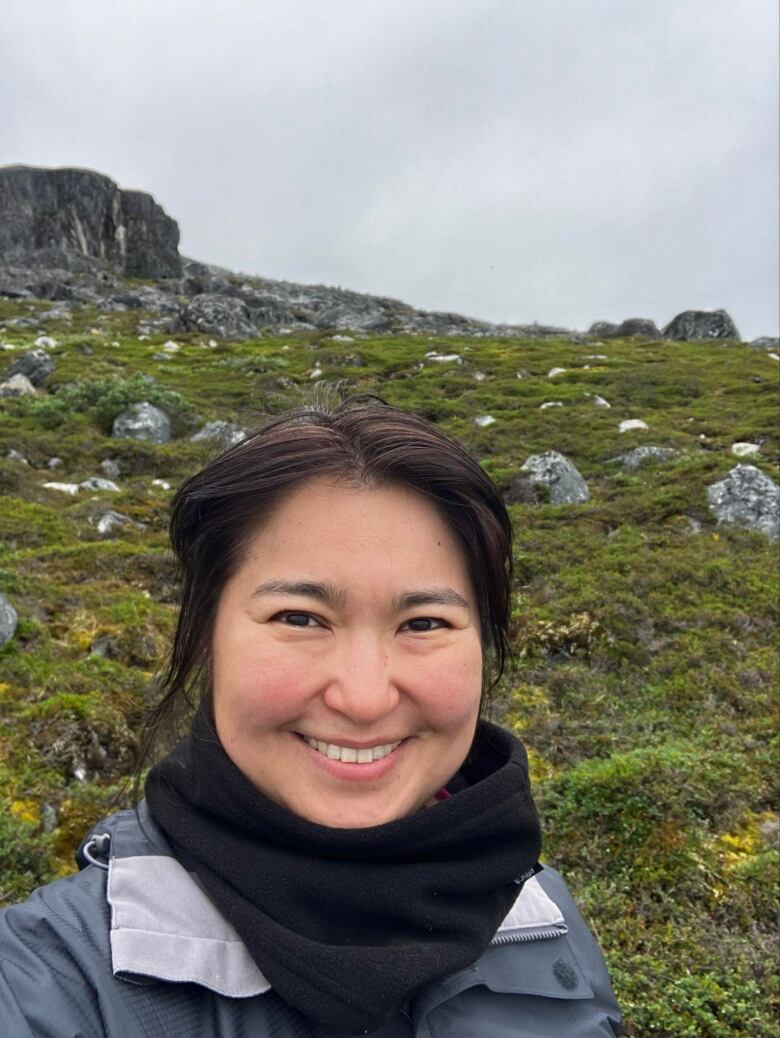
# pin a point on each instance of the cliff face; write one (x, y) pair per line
(78, 220)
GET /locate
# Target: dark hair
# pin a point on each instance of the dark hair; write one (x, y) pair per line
(364, 441)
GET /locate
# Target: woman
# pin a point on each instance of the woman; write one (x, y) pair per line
(340, 846)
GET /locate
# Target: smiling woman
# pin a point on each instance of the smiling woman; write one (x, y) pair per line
(340, 845)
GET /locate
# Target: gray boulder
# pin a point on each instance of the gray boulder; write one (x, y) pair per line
(222, 433)
(79, 220)
(602, 329)
(564, 482)
(18, 385)
(220, 315)
(8, 620)
(765, 342)
(642, 455)
(701, 324)
(98, 483)
(36, 365)
(142, 421)
(110, 523)
(747, 497)
(636, 326)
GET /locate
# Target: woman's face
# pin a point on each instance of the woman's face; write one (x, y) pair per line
(347, 662)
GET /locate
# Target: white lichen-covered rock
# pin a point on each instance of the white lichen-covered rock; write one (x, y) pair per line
(109, 523)
(632, 423)
(565, 483)
(484, 420)
(225, 433)
(556, 371)
(18, 385)
(745, 450)
(642, 455)
(444, 358)
(747, 497)
(142, 421)
(63, 488)
(550, 403)
(8, 620)
(99, 483)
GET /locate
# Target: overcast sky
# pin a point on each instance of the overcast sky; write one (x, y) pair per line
(515, 160)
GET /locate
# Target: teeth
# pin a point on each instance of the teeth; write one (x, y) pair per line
(348, 754)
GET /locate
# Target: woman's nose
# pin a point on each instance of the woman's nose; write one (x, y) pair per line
(361, 686)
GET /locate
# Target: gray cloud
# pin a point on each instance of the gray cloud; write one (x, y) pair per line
(513, 160)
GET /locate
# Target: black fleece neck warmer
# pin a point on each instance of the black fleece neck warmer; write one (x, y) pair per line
(346, 924)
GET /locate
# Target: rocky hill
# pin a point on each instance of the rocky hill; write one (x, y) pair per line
(641, 475)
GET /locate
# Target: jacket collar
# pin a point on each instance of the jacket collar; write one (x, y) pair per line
(165, 927)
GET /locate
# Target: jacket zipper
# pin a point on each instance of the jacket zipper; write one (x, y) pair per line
(521, 937)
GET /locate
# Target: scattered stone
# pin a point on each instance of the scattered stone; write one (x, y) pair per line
(142, 421)
(46, 342)
(63, 488)
(222, 432)
(110, 468)
(444, 358)
(632, 423)
(479, 376)
(556, 371)
(18, 385)
(54, 463)
(701, 324)
(109, 523)
(745, 450)
(170, 346)
(555, 471)
(8, 620)
(316, 372)
(766, 342)
(774, 356)
(747, 497)
(14, 455)
(639, 456)
(342, 338)
(98, 483)
(550, 403)
(599, 401)
(163, 484)
(596, 356)
(484, 420)
(37, 365)
(162, 356)
(7, 346)
(50, 818)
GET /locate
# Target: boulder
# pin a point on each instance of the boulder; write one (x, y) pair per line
(765, 342)
(79, 220)
(747, 497)
(36, 365)
(636, 326)
(142, 421)
(642, 455)
(221, 315)
(632, 423)
(602, 329)
(701, 324)
(111, 522)
(8, 620)
(221, 433)
(553, 470)
(18, 385)
(98, 483)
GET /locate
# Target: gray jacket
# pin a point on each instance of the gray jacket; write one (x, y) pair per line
(131, 947)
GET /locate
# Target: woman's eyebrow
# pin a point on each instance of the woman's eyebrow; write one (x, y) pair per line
(336, 597)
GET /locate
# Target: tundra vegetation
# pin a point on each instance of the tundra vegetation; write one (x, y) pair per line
(646, 664)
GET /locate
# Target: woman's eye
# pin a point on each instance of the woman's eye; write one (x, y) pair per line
(422, 624)
(294, 619)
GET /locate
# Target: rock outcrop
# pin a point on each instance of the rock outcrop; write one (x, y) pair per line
(78, 220)
(701, 324)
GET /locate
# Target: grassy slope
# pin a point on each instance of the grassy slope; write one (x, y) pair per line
(646, 657)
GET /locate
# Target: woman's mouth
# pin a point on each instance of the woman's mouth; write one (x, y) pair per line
(351, 754)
